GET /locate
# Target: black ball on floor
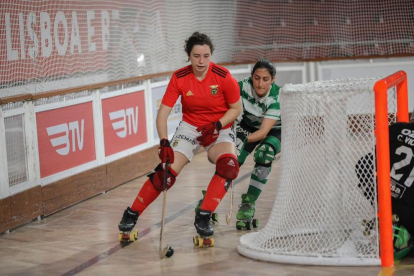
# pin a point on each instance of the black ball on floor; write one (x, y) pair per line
(170, 252)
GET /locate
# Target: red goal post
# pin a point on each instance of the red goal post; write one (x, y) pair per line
(398, 80)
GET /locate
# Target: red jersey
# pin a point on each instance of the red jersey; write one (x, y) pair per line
(203, 101)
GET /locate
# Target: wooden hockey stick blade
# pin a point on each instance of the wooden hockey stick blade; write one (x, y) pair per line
(228, 218)
(163, 253)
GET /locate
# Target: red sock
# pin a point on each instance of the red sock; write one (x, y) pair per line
(145, 197)
(215, 193)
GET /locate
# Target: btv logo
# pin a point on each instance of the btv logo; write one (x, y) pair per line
(76, 134)
(128, 122)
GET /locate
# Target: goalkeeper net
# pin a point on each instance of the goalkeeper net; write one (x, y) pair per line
(324, 213)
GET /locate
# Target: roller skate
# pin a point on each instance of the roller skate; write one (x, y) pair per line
(128, 221)
(214, 216)
(204, 229)
(403, 241)
(246, 213)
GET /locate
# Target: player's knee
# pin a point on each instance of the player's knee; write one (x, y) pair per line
(267, 150)
(157, 178)
(227, 166)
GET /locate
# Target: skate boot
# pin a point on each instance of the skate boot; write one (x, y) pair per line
(127, 223)
(204, 229)
(246, 213)
(403, 241)
(214, 216)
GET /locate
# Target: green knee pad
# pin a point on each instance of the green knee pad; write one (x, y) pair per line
(267, 150)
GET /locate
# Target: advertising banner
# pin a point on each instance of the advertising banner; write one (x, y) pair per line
(65, 138)
(124, 122)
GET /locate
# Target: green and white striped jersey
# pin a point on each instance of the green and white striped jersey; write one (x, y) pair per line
(255, 108)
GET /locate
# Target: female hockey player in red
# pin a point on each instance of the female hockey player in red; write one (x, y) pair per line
(211, 102)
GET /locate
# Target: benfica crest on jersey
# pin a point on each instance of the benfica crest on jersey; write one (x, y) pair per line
(213, 89)
(175, 143)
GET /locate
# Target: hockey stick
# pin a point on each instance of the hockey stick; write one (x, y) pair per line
(228, 216)
(167, 251)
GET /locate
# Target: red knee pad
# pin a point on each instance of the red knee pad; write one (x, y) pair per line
(157, 178)
(227, 166)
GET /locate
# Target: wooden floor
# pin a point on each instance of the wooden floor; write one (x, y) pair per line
(83, 239)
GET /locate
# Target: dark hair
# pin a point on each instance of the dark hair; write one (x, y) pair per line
(265, 64)
(197, 39)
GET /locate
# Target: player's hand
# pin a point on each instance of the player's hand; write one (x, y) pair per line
(165, 151)
(209, 133)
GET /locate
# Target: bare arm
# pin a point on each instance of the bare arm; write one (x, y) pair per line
(231, 114)
(161, 121)
(260, 134)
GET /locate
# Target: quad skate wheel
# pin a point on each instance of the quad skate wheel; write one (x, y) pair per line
(133, 236)
(200, 242)
(248, 225)
(240, 225)
(170, 252)
(195, 240)
(255, 223)
(212, 242)
(120, 237)
(395, 218)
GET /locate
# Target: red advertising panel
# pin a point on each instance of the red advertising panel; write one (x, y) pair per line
(124, 122)
(66, 138)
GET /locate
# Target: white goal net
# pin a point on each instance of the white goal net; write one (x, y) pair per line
(324, 213)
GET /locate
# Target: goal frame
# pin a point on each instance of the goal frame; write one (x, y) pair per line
(398, 80)
(263, 245)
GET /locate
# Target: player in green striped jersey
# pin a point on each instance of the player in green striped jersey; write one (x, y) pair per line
(259, 129)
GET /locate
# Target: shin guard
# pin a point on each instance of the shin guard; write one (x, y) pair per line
(145, 197)
(215, 193)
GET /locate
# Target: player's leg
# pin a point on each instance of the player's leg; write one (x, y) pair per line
(150, 191)
(223, 155)
(244, 149)
(184, 149)
(263, 157)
